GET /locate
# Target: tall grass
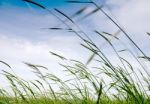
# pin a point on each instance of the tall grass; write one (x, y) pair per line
(86, 85)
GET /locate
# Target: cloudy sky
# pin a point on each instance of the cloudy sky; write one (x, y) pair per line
(23, 39)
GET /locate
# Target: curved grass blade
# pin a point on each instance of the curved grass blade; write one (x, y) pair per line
(57, 28)
(75, 14)
(145, 57)
(103, 37)
(99, 93)
(60, 29)
(111, 35)
(64, 15)
(119, 27)
(122, 50)
(40, 66)
(37, 4)
(90, 59)
(61, 57)
(35, 66)
(148, 33)
(5, 64)
(78, 12)
(90, 13)
(93, 55)
(31, 65)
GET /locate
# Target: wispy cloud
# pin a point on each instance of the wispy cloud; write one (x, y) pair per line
(22, 39)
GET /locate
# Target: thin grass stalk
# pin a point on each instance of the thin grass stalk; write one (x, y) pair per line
(120, 29)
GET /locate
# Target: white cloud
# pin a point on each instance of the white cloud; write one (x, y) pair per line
(25, 41)
(14, 52)
(116, 3)
(22, 40)
(133, 15)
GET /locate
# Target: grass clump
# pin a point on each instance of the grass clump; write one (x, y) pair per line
(86, 84)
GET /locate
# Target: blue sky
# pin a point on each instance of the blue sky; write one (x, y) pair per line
(23, 40)
(20, 3)
(11, 9)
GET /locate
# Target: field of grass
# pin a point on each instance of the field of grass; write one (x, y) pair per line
(85, 84)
